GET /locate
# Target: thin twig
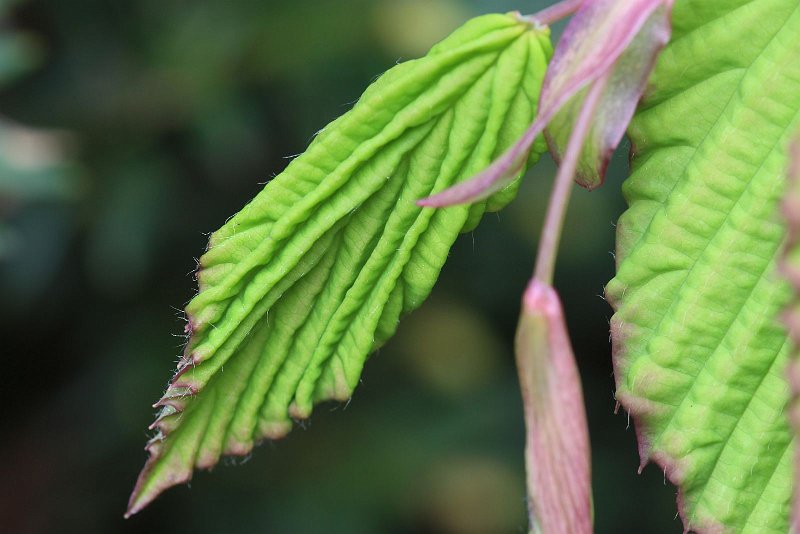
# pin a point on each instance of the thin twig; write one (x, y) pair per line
(556, 12)
(562, 185)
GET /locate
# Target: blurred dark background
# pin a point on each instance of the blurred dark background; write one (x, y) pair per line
(128, 131)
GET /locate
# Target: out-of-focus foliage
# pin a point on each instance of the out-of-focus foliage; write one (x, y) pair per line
(32, 163)
(18, 52)
(172, 114)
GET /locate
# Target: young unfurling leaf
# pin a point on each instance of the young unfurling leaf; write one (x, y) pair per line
(301, 285)
(557, 444)
(631, 33)
(608, 42)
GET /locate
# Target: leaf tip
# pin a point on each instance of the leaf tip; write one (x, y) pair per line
(427, 202)
(148, 488)
(541, 298)
(274, 429)
(463, 193)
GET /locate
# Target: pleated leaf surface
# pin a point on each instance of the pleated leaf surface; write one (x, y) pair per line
(298, 288)
(699, 350)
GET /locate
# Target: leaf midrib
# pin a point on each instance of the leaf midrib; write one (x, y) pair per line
(227, 432)
(278, 234)
(695, 149)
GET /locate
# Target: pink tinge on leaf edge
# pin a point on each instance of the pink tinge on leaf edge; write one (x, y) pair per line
(627, 81)
(790, 209)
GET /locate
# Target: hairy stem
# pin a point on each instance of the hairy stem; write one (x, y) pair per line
(562, 186)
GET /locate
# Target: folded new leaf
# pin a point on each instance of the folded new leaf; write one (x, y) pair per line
(622, 39)
(311, 276)
(557, 443)
(616, 42)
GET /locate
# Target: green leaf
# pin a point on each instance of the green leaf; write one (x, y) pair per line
(310, 277)
(699, 351)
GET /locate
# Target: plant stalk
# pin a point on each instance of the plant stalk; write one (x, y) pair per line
(556, 12)
(562, 185)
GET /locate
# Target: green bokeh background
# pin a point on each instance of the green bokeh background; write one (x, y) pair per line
(128, 131)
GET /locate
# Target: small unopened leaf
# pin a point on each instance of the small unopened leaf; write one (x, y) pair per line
(594, 45)
(557, 445)
(643, 26)
(310, 277)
